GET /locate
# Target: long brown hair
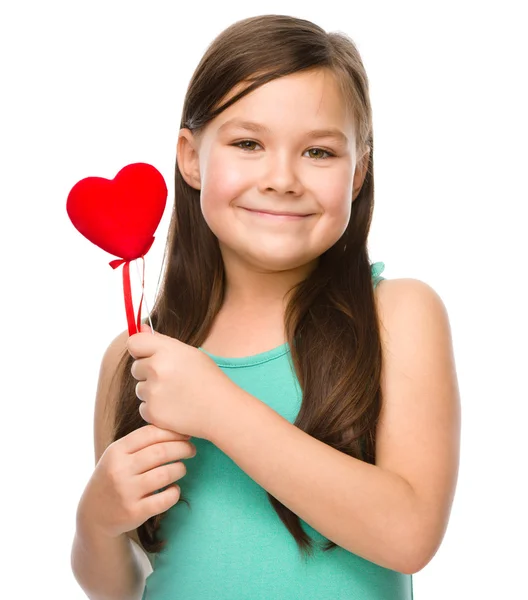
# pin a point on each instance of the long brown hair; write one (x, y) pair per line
(337, 358)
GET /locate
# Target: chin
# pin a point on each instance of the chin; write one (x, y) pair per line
(276, 263)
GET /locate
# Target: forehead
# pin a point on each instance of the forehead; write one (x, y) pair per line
(310, 101)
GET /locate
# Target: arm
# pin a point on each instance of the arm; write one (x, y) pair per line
(107, 568)
(393, 513)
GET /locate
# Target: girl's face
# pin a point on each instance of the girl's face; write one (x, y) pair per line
(262, 154)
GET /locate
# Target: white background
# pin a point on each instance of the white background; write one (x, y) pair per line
(88, 87)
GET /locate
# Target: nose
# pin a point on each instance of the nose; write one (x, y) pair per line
(280, 176)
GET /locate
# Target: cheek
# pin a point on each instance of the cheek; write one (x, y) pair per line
(335, 195)
(223, 184)
(224, 179)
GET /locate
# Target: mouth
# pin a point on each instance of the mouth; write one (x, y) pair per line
(280, 217)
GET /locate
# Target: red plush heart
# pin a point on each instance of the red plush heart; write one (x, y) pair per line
(120, 215)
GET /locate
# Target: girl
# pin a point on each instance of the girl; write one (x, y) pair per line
(324, 407)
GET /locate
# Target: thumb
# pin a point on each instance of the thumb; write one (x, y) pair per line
(145, 328)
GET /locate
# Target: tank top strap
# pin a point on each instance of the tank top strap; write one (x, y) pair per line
(376, 269)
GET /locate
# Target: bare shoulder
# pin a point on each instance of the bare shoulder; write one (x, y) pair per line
(392, 292)
(418, 434)
(105, 405)
(406, 302)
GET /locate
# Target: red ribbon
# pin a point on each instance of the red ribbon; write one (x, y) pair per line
(133, 327)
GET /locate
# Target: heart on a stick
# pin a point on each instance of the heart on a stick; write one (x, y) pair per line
(120, 215)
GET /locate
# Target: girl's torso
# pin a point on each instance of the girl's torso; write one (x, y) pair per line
(229, 543)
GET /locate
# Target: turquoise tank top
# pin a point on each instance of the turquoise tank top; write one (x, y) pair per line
(231, 545)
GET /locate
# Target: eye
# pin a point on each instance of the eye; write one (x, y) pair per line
(330, 154)
(239, 145)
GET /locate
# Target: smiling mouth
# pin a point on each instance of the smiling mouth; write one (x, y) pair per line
(280, 217)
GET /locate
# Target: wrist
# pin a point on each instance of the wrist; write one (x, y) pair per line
(87, 526)
(229, 407)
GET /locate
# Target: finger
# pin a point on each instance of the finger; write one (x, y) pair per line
(145, 328)
(148, 434)
(140, 391)
(143, 409)
(161, 501)
(162, 453)
(143, 345)
(139, 369)
(160, 477)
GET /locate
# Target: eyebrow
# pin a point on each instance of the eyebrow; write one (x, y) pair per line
(259, 128)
